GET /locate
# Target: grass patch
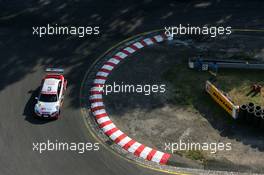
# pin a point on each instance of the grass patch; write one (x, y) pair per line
(188, 90)
(196, 155)
(237, 83)
(188, 86)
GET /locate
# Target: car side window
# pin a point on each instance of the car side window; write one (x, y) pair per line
(59, 89)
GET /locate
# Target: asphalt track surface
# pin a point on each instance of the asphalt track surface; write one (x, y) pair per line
(24, 57)
(19, 129)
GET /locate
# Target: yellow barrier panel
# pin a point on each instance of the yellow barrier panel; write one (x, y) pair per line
(222, 100)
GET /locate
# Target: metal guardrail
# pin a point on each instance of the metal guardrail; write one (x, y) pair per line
(199, 63)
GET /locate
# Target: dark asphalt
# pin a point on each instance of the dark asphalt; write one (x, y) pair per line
(24, 57)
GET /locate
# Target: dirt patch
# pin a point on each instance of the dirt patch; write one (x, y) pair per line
(185, 112)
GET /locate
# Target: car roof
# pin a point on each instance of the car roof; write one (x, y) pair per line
(50, 86)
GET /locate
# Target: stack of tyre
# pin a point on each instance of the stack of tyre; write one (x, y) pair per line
(252, 114)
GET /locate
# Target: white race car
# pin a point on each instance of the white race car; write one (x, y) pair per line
(51, 94)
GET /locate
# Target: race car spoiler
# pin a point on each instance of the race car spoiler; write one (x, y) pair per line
(55, 70)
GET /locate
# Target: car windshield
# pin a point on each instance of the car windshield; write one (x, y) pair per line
(48, 97)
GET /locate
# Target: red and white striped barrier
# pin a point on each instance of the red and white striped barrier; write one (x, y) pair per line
(102, 118)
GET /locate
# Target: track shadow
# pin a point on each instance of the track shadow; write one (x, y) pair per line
(29, 114)
(117, 21)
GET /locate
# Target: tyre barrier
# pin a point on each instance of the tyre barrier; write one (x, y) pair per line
(258, 108)
(251, 114)
(242, 112)
(262, 120)
(251, 105)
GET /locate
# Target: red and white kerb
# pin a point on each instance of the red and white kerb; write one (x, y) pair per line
(102, 118)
